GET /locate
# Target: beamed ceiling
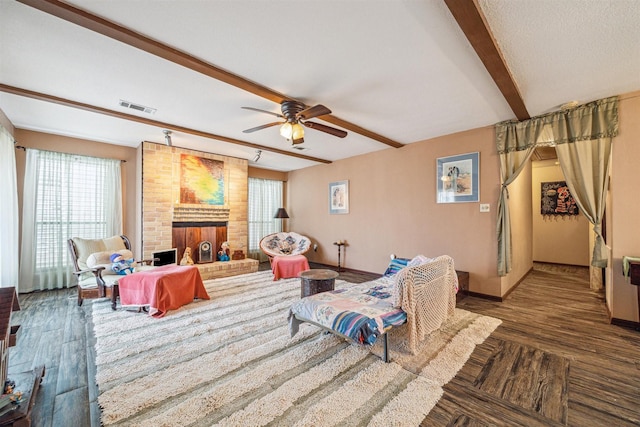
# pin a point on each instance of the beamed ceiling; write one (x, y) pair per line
(393, 73)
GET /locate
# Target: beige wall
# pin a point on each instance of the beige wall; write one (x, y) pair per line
(393, 209)
(521, 234)
(45, 141)
(624, 232)
(267, 174)
(557, 239)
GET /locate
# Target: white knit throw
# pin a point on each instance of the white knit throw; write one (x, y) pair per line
(427, 293)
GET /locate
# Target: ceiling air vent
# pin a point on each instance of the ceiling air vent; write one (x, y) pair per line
(137, 107)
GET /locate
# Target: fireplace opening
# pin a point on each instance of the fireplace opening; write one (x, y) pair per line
(192, 233)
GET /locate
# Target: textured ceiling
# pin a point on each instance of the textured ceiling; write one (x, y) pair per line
(402, 69)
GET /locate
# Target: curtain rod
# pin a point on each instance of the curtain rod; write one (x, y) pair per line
(20, 147)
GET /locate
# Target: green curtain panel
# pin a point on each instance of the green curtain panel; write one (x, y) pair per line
(582, 137)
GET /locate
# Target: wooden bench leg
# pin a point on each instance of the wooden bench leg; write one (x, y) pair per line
(115, 292)
(385, 354)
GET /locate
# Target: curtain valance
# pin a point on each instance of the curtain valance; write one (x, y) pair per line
(595, 120)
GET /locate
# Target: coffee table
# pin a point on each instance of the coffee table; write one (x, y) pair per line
(316, 280)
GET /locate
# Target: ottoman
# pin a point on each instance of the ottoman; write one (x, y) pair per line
(288, 266)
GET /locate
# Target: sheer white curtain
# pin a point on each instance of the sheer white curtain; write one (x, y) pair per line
(265, 197)
(65, 196)
(9, 264)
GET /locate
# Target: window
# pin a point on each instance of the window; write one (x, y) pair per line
(65, 196)
(265, 197)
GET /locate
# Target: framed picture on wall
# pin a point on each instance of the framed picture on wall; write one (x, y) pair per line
(339, 197)
(458, 178)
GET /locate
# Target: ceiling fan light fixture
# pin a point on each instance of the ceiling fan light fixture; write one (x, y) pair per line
(297, 131)
(286, 130)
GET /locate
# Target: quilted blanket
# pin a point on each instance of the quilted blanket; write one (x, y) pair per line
(360, 312)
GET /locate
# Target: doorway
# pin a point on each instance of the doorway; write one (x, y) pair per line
(560, 236)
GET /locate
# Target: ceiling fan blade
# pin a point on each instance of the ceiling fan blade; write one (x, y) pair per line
(315, 111)
(328, 129)
(268, 125)
(264, 111)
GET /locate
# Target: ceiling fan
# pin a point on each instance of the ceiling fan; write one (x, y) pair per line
(296, 114)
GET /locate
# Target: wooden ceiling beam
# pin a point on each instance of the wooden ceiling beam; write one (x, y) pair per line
(110, 29)
(474, 25)
(120, 115)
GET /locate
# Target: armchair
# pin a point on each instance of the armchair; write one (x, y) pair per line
(283, 244)
(94, 278)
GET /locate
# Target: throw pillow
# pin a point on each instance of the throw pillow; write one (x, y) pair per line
(98, 258)
(103, 259)
(395, 265)
(86, 247)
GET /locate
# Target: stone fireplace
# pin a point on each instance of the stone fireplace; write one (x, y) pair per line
(166, 223)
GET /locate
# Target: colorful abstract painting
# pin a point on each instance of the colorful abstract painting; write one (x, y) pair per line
(557, 200)
(201, 180)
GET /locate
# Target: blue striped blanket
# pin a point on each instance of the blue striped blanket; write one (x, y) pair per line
(361, 312)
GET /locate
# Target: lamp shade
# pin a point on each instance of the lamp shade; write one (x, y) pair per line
(297, 131)
(286, 130)
(281, 213)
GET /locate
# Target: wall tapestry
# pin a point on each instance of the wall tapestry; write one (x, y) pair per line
(201, 180)
(557, 200)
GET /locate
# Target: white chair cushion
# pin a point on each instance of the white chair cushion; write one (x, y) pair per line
(87, 247)
(92, 283)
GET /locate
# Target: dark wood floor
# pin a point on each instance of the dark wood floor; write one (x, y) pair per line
(555, 360)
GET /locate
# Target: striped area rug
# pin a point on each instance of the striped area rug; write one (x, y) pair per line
(230, 362)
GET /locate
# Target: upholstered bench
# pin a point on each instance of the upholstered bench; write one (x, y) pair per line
(423, 296)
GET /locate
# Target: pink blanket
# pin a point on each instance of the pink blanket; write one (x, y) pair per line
(287, 266)
(162, 289)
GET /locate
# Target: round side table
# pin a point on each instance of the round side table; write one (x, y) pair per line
(316, 281)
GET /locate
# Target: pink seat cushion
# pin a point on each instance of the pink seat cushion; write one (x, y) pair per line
(288, 266)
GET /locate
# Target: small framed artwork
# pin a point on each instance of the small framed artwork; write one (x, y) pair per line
(458, 178)
(339, 197)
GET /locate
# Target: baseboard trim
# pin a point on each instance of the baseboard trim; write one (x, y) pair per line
(485, 296)
(343, 269)
(630, 324)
